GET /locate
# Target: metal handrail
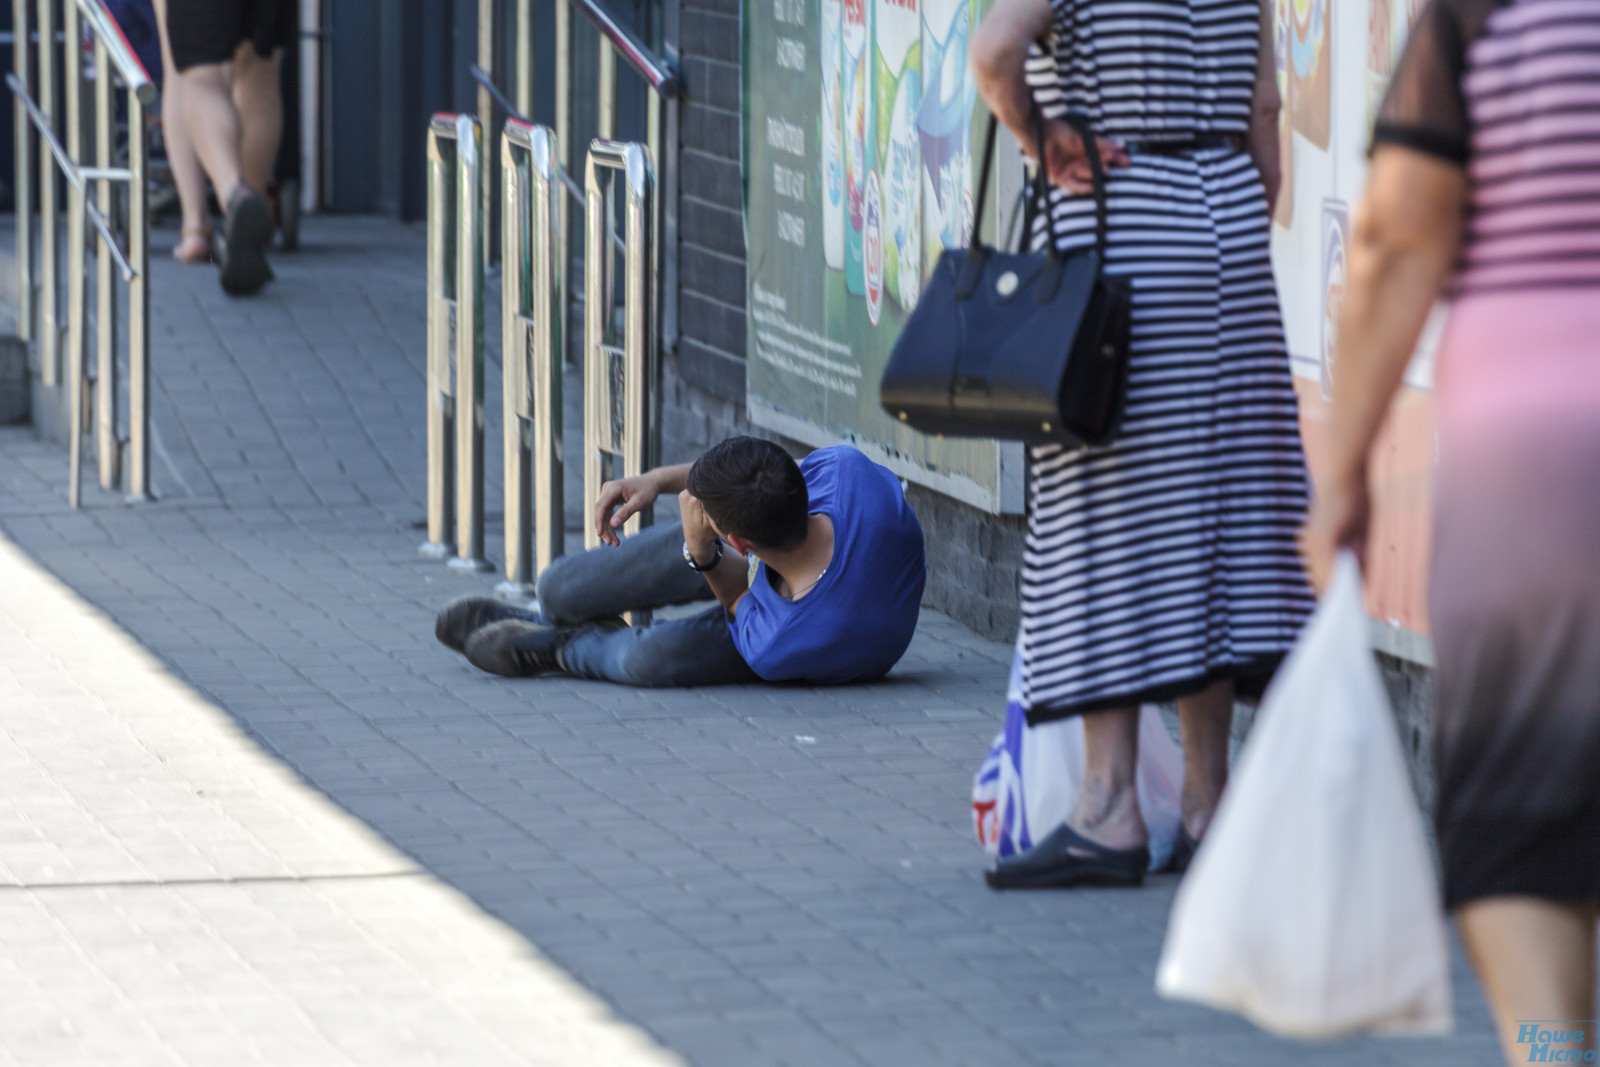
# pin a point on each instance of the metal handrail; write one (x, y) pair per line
(574, 190)
(134, 76)
(76, 176)
(655, 70)
(119, 458)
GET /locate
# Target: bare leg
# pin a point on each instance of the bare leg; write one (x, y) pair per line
(1204, 722)
(259, 103)
(213, 125)
(1536, 959)
(1107, 811)
(194, 242)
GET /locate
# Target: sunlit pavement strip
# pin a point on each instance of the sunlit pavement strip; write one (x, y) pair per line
(171, 894)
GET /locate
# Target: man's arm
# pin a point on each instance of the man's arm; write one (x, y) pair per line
(729, 579)
(630, 495)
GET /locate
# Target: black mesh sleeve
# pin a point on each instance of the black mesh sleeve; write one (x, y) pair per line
(1424, 108)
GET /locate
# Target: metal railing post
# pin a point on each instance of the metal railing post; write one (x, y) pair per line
(49, 314)
(113, 58)
(107, 440)
(524, 86)
(564, 138)
(441, 335)
(532, 330)
(606, 111)
(469, 347)
(75, 260)
(23, 190)
(625, 426)
(138, 303)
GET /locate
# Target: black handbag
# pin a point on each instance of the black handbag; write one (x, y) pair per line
(1018, 346)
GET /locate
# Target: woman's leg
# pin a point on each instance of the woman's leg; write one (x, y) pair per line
(213, 125)
(1205, 721)
(194, 244)
(1536, 960)
(258, 100)
(1107, 810)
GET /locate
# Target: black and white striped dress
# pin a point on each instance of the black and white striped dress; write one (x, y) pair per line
(1167, 560)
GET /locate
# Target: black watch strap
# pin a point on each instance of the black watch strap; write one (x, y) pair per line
(695, 565)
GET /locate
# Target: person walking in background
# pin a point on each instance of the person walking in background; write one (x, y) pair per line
(223, 58)
(1485, 186)
(195, 237)
(1164, 565)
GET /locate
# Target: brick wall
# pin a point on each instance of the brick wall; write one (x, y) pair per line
(973, 557)
(711, 309)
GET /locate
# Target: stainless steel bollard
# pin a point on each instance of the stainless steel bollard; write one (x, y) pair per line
(469, 349)
(455, 343)
(532, 329)
(621, 383)
(441, 335)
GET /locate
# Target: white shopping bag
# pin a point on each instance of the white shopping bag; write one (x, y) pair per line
(1029, 781)
(1313, 909)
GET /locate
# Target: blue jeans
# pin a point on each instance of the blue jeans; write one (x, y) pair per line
(580, 592)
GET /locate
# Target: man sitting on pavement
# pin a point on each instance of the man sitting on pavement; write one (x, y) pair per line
(817, 568)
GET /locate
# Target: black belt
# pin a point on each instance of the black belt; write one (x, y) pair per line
(1186, 145)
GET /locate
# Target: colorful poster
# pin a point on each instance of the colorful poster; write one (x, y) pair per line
(1336, 66)
(859, 118)
(1310, 74)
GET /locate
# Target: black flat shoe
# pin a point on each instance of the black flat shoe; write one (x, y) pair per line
(247, 230)
(1183, 851)
(516, 649)
(1066, 859)
(462, 617)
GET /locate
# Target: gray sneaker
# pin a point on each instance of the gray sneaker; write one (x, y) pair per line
(460, 618)
(516, 649)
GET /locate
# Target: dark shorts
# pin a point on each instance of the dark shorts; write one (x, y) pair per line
(211, 31)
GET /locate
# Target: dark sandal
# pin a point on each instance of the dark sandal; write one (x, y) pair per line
(1183, 851)
(1059, 862)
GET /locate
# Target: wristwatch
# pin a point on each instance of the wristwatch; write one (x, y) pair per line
(716, 557)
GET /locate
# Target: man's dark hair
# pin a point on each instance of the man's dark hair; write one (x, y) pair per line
(752, 489)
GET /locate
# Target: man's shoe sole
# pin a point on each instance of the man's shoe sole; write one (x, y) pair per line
(464, 616)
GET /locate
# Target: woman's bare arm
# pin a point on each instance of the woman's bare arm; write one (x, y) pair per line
(999, 60)
(1265, 104)
(1402, 254)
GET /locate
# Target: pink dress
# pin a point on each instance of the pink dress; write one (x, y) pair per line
(1507, 90)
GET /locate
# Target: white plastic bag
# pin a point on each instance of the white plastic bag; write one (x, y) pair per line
(1313, 908)
(1029, 780)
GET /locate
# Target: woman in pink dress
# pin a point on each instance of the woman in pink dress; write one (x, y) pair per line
(1485, 188)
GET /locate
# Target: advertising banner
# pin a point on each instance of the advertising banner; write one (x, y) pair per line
(1334, 64)
(859, 126)
(860, 122)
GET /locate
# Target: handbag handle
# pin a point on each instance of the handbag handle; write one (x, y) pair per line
(1080, 124)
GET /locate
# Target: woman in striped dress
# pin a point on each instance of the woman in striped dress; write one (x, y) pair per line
(1162, 567)
(1485, 186)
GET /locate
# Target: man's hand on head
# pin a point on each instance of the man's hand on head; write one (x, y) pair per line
(698, 533)
(728, 577)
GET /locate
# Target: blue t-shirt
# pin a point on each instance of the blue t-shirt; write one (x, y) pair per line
(857, 621)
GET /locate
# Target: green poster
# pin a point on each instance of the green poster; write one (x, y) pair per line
(859, 126)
